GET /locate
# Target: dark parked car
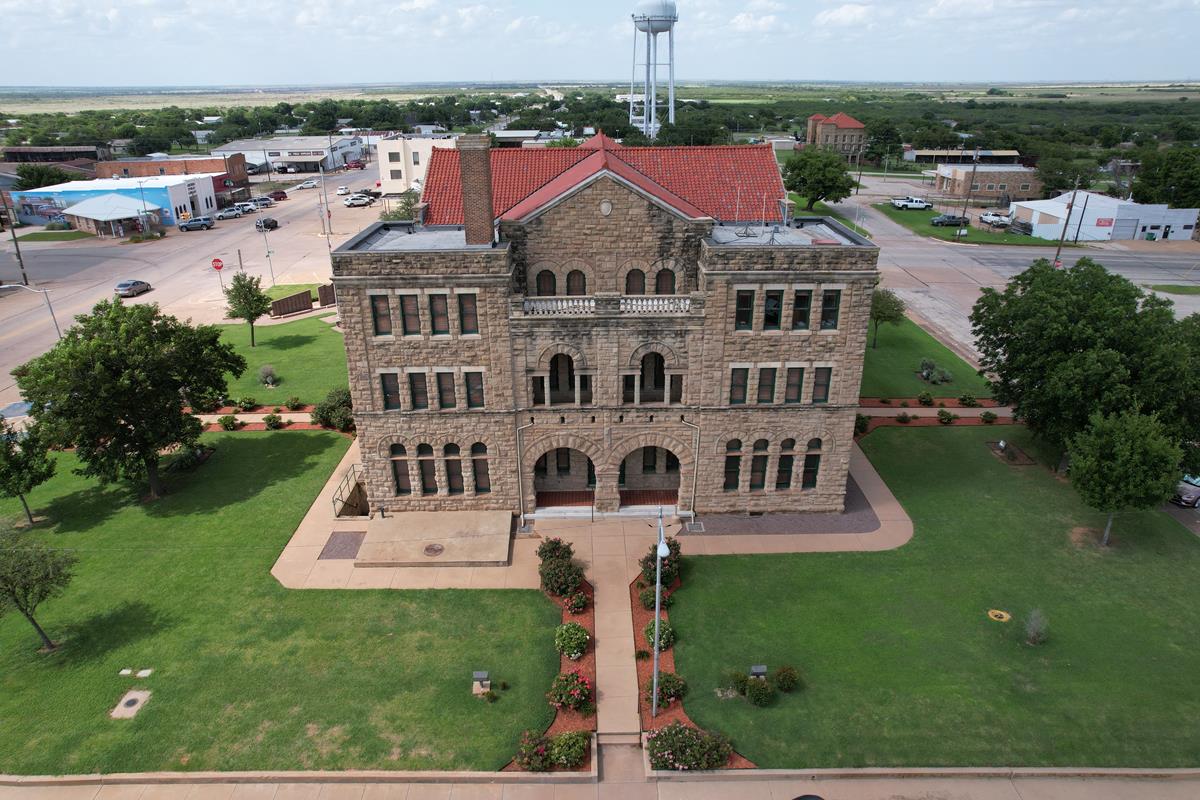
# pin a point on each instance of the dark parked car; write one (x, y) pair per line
(952, 220)
(278, 194)
(131, 288)
(266, 224)
(196, 224)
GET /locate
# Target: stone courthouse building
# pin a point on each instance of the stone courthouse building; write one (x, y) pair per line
(605, 326)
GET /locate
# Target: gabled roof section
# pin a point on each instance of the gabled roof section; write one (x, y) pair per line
(843, 120)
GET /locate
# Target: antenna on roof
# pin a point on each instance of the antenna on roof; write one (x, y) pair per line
(743, 231)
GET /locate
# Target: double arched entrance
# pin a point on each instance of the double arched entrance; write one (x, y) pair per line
(573, 473)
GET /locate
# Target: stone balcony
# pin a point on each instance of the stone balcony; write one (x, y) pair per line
(609, 305)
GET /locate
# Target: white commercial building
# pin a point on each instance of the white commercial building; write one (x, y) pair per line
(403, 159)
(1091, 217)
(296, 153)
(171, 198)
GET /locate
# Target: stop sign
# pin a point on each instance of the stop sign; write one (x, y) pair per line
(217, 264)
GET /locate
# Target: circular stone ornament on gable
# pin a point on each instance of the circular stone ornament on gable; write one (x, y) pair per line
(605, 207)
(433, 550)
(996, 615)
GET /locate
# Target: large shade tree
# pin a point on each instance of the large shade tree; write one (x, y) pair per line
(817, 174)
(115, 387)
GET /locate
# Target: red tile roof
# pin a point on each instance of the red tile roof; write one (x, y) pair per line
(843, 120)
(733, 182)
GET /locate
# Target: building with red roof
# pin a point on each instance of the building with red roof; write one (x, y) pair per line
(840, 132)
(612, 327)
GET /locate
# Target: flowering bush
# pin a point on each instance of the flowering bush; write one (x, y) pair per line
(533, 753)
(647, 597)
(570, 749)
(273, 422)
(788, 679)
(760, 691)
(560, 576)
(570, 690)
(666, 635)
(577, 602)
(555, 548)
(680, 747)
(670, 687)
(571, 640)
(670, 564)
(228, 422)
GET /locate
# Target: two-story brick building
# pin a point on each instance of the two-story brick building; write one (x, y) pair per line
(840, 132)
(608, 326)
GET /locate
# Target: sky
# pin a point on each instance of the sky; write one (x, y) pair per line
(314, 42)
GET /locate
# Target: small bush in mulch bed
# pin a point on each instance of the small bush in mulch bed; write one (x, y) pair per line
(968, 400)
(571, 640)
(788, 679)
(670, 687)
(577, 603)
(988, 417)
(560, 576)
(925, 399)
(335, 411)
(293, 404)
(666, 635)
(570, 690)
(903, 418)
(642, 655)
(647, 597)
(247, 403)
(945, 417)
(228, 422)
(533, 753)
(555, 548)
(570, 749)
(273, 422)
(680, 747)
(861, 423)
(760, 691)
(670, 564)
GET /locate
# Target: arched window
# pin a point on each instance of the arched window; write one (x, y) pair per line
(479, 465)
(758, 466)
(562, 379)
(664, 282)
(653, 378)
(454, 476)
(400, 480)
(813, 444)
(812, 465)
(635, 282)
(783, 478)
(733, 464)
(545, 283)
(427, 468)
(576, 283)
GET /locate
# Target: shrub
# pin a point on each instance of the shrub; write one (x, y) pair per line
(555, 548)
(57, 226)
(928, 365)
(577, 602)
(1037, 628)
(945, 417)
(903, 418)
(670, 564)
(904, 404)
(680, 747)
(335, 411)
(787, 679)
(647, 597)
(228, 422)
(968, 400)
(533, 754)
(734, 680)
(273, 422)
(276, 410)
(247, 403)
(942, 376)
(490, 696)
(293, 403)
(670, 687)
(560, 576)
(570, 690)
(988, 417)
(760, 692)
(641, 655)
(570, 749)
(925, 399)
(666, 635)
(861, 423)
(266, 375)
(571, 640)
(887, 401)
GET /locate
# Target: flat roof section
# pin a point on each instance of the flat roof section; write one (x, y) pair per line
(405, 237)
(437, 539)
(804, 232)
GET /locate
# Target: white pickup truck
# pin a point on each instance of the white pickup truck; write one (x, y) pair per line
(996, 220)
(910, 203)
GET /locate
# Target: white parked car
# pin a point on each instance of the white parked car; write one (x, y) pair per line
(343, 190)
(911, 203)
(357, 200)
(996, 220)
(233, 212)
(308, 185)
(246, 208)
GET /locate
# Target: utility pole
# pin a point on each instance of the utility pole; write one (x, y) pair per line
(12, 229)
(860, 170)
(1066, 224)
(967, 199)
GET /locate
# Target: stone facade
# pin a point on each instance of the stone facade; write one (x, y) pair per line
(839, 132)
(606, 371)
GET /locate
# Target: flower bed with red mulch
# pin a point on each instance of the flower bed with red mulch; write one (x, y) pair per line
(262, 426)
(925, 422)
(946, 402)
(674, 711)
(258, 409)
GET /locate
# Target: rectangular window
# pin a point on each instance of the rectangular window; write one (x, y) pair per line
(812, 465)
(773, 310)
(733, 469)
(390, 382)
(822, 378)
(483, 479)
(743, 311)
(445, 387)
(676, 388)
(410, 315)
(394, 157)
(737, 386)
(758, 473)
(416, 159)
(397, 175)
(649, 459)
(795, 385)
(1024, 187)
(428, 476)
(974, 187)
(801, 307)
(562, 460)
(991, 187)
(439, 315)
(831, 308)
(474, 389)
(539, 390)
(381, 315)
(766, 385)
(784, 479)
(627, 388)
(1002, 187)
(418, 390)
(468, 314)
(400, 476)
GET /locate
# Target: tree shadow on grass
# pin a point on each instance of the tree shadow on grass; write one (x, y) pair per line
(289, 341)
(109, 630)
(87, 508)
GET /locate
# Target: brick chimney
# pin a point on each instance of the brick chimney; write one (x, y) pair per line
(475, 166)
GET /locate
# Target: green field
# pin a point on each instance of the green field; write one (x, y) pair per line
(822, 209)
(904, 668)
(309, 357)
(55, 236)
(249, 675)
(918, 222)
(1175, 288)
(890, 370)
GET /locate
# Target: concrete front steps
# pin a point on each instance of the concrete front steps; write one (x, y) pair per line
(614, 738)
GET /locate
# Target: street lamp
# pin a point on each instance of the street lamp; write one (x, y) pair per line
(142, 210)
(660, 553)
(45, 293)
(267, 244)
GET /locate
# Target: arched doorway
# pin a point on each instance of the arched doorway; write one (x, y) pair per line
(564, 476)
(649, 476)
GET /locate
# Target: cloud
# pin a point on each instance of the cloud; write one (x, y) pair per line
(843, 16)
(746, 22)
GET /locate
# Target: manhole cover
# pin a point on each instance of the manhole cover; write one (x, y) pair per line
(433, 550)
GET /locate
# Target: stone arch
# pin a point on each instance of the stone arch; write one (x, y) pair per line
(724, 439)
(384, 446)
(544, 444)
(565, 269)
(629, 266)
(622, 449)
(669, 357)
(543, 362)
(668, 264)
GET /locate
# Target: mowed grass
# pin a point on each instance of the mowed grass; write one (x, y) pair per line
(890, 370)
(918, 222)
(247, 674)
(55, 236)
(1175, 288)
(288, 289)
(309, 357)
(903, 666)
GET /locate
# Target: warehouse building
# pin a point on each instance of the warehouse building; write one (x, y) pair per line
(174, 197)
(296, 153)
(1091, 217)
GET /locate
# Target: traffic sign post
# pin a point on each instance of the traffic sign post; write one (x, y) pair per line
(217, 264)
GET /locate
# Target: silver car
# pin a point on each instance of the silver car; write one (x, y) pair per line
(233, 212)
(1187, 493)
(131, 288)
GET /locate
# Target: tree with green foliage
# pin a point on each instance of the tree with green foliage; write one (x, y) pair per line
(818, 174)
(36, 176)
(1123, 462)
(882, 137)
(1060, 174)
(566, 141)
(1169, 176)
(115, 387)
(404, 209)
(246, 300)
(886, 307)
(1064, 344)
(25, 463)
(31, 573)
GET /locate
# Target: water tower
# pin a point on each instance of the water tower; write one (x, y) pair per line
(650, 18)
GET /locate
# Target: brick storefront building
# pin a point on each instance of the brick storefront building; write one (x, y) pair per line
(233, 166)
(605, 326)
(840, 132)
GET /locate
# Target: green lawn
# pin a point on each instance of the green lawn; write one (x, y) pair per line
(247, 674)
(918, 222)
(1175, 288)
(55, 236)
(288, 289)
(822, 209)
(890, 370)
(903, 666)
(308, 355)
